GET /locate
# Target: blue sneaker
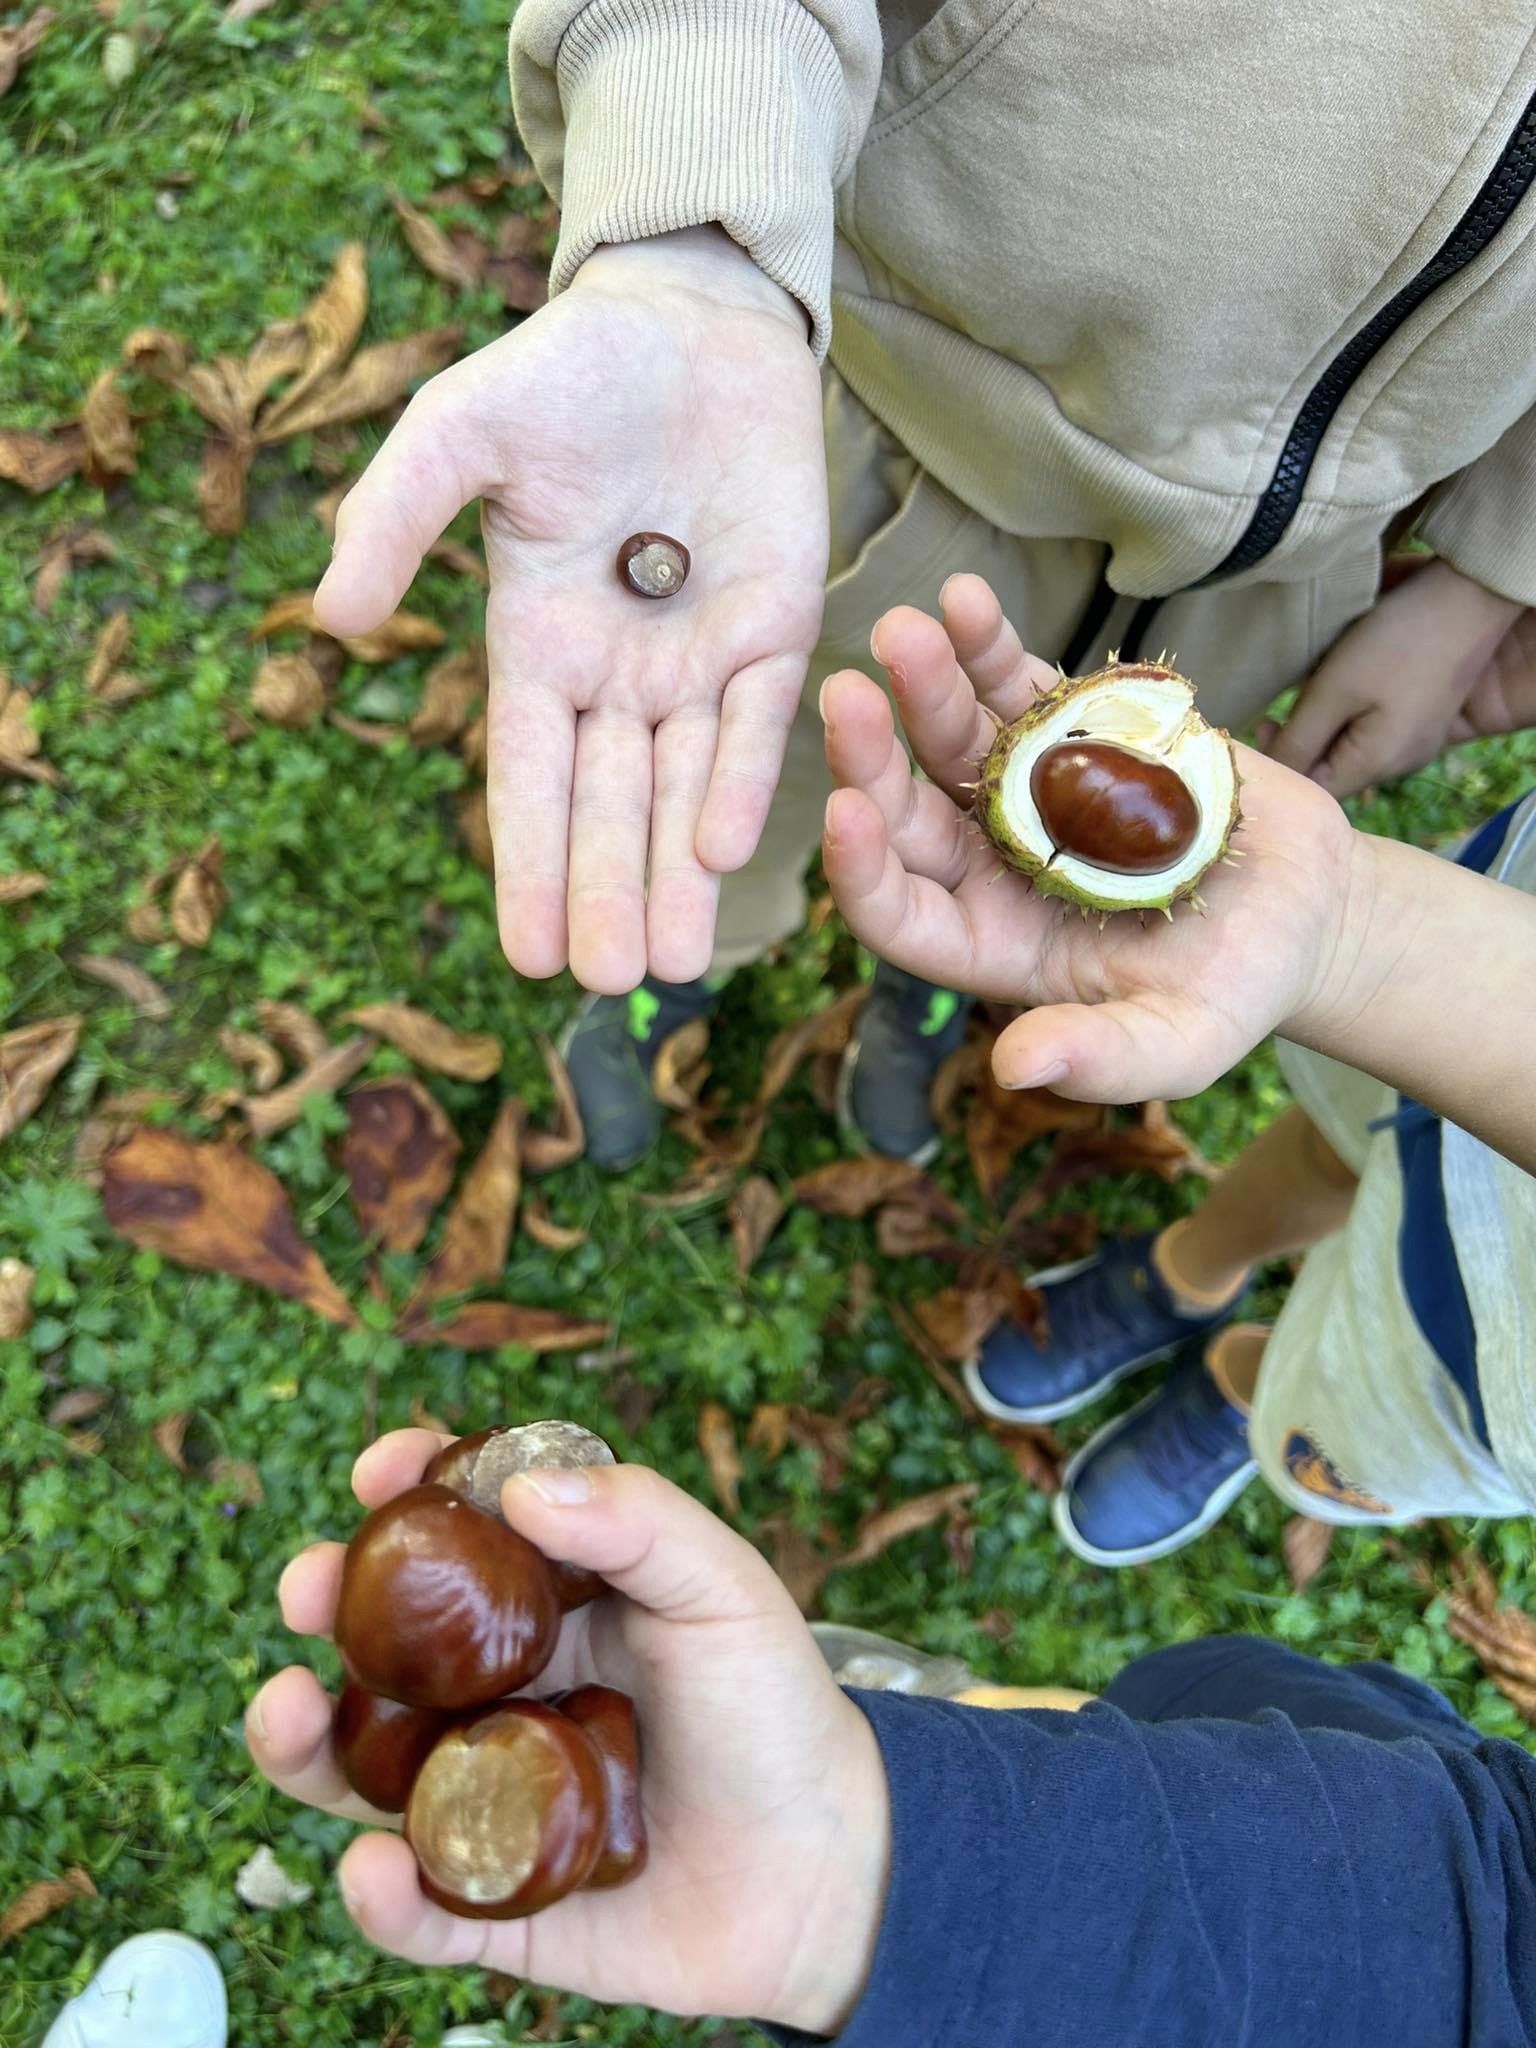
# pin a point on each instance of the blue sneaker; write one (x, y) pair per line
(1158, 1476)
(1107, 1316)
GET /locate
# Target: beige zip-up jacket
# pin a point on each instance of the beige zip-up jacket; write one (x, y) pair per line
(1227, 288)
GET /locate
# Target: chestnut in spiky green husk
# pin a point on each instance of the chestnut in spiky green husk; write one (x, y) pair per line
(1112, 792)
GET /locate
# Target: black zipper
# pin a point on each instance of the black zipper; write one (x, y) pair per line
(1502, 191)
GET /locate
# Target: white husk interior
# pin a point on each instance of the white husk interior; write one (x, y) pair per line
(1150, 716)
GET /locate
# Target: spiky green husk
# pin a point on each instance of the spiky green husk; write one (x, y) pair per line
(1043, 867)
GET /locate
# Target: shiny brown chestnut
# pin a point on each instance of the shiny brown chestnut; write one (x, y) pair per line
(381, 1745)
(608, 1719)
(508, 1813)
(443, 1606)
(653, 564)
(1112, 808)
(478, 1466)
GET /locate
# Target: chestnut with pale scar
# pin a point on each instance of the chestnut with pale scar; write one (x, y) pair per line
(653, 564)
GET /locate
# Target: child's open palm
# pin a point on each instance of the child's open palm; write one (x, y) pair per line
(1118, 1014)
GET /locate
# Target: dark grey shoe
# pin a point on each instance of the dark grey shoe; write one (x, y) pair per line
(610, 1051)
(905, 1032)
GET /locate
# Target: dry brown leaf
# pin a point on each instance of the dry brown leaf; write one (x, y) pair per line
(261, 1060)
(959, 1319)
(1037, 1452)
(475, 828)
(365, 731)
(827, 1030)
(398, 1155)
(402, 633)
(17, 46)
(299, 1034)
(877, 1532)
(1002, 1121)
(111, 446)
(122, 688)
(43, 1899)
(524, 286)
(107, 653)
(266, 1114)
(852, 1187)
(1503, 1639)
(216, 1208)
(544, 1151)
(30, 1058)
(30, 770)
(906, 1230)
(16, 1283)
(422, 1417)
(486, 1325)
(280, 351)
(333, 320)
(462, 559)
(18, 738)
(933, 1359)
(16, 888)
(466, 1055)
(38, 461)
(78, 1405)
(1305, 1544)
(288, 690)
(157, 352)
(960, 1539)
(681, 1070)
(803, 1567)
(198, 897)
(241, 1481)
(520, 234)
(146, 920)
(375, 378)
(544, 1230)
(221, 480)
(958, 1075)
(717, 1440)
(1155, 1145)
(478, 1233)
(451, 262)
(59, 557)
(170, 1434)
(141, 989)
(860, 1297)
(755, 1210)
(328, 504)
(474, 747)
(768, 1431)
(454, 692)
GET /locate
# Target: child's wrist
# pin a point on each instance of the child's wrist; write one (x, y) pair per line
(704, 257)
(1370, 948)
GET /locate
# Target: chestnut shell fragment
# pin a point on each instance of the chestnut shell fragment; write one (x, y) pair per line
(443, 1606)
(508, 1813)
(1112, 808)
(653, 564)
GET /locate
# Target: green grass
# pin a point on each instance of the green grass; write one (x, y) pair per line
(139, 1613)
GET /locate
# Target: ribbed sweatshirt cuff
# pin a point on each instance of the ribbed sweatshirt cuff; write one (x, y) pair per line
(680, 113)
(1484, 521)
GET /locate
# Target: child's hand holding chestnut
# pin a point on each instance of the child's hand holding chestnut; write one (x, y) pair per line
(761, 1789)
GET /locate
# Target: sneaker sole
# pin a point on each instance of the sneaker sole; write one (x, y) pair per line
(1146, 1553)
(1055, 1411)
(854, 1132)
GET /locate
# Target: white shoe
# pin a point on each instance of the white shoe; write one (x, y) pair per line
(157, 1990)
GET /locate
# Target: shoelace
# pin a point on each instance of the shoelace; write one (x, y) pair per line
(1187, 1437)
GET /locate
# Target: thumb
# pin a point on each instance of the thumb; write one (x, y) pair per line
(1117, 1052)
(399, 506)
(651, 1541)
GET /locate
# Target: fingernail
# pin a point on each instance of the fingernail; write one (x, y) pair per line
(821, 704)
(828, 834)
(557, 1489)
(1046, 1077)
(944, 591)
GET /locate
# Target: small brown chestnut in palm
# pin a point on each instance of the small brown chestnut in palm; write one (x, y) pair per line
(653, 564)
(382, 1744)
(509, 1813)
(1113, 808)
(443, 1606)
(478, 1466)
(608, 1718)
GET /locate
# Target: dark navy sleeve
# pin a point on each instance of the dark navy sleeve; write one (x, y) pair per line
(1093, 1881)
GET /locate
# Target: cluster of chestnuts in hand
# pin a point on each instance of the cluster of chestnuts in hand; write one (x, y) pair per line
(444, 1612)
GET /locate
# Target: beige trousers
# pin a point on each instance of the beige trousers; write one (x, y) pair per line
(896, 536)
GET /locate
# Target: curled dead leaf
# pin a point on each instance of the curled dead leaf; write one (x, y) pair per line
(398, 1155)
(18, 45)
(754, 1213)
(288, 690)
(18, 739)
(768, 1431)
(170, 1433)
(39, 461)
(39, 1901)
(1037, 1452)
(681, 1069)
(375, 378)
(705, 1181)
(401, 633)
(959, 1319)
(962, 1071)
(16, 1283)
(78, 1405)
(61, 554)
(827, 1030)
(475, 828)
(299, 1034)
(462, 559)
(1002, 1121)
(1502, 1638)
(852, 1187)
(877, 1532)
(110, 646)
(859, 1298)
(1154, 1145)
(366, 731)
(111, 446)
(906, 1230)
(1305, 1544)
(478, 1232)
(140, 989)
(717, 1440)
(31, 1057)
(545, 1231)
(452, 262)
(16, 888)
(215, 1208)
(454, 692)
(333, 320)
(800, 1563)
(238, 1479)
(266, 1114)
(221, 482)
(474, 746)
(198, 896)
(487, 1325)
(937, 1366)
(466, 1055)
(544, 1151)
(523, 284)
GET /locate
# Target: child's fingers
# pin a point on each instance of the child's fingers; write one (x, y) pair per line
(1003, 675)
(532, 760)
(382, 1891)
(948, 730)
(1139, 1050)
(756, 713)
(928, 834)
(288, 1733)
(683, 895)
(393, 1463)
(309, 1588)
(913, 922)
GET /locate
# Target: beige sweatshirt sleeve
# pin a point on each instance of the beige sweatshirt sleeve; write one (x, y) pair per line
(1483, 522)
(647, 115)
